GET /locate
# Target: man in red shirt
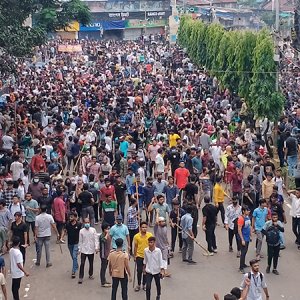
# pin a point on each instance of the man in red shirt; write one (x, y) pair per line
(36, 161)
(181, 177)
(59, 214)
(108, 190)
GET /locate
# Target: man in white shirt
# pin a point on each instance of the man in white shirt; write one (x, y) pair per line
(159, 162)
(16, 267)
(42, 235)
(87, 246)
(16, 206)
(17, 169)
(8, 142)
(257, 282)
(153, 267)
(295, 213)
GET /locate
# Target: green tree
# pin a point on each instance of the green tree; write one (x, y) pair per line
(263, 100)
(201, 42)
(17, 40)
(229, 77)
(222, 57)
(245, 61)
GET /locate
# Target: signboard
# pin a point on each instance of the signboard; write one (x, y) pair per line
(136, 15)
(145, 23)
(69, 48)
(73, 27)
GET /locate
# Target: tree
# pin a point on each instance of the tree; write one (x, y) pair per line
(17, 40)
(263, 100)
(245, 61)
(229, 77)
(242, 61)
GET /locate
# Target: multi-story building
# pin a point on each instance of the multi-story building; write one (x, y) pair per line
(126, 19)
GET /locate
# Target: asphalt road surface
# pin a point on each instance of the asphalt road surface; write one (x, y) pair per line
(194, 282)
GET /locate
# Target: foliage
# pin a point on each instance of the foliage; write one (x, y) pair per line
(245, 61)
(264, 101)
(18, 40)
(242, 61)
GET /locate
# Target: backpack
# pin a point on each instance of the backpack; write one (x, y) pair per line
(260, 275)
(272, 236)
(20, 205)
(235, 225)
(93, 191)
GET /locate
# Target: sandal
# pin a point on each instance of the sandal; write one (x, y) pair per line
(137, 288)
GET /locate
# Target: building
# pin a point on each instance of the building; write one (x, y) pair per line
(126, 19)
(284, 5)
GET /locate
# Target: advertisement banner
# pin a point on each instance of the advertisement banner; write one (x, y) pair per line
(136, 15)
(144, 23)
(69, 48)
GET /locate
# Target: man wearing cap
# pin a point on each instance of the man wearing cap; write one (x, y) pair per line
(161, 234)
(120, 230)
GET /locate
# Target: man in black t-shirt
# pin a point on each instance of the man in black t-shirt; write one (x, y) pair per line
(174, 159)
(191, 190)
(210, 213)
(45, 200)
(120, 189)
(19, 229)
(291, 152)
(87, 202)
(73, 227)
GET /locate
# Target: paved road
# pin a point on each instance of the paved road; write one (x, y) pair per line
(193, 282)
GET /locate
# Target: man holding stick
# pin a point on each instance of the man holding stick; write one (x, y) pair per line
(187, 236)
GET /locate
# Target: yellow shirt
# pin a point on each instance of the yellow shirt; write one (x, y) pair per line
(172, 139)
(141, 242)
(219, 193)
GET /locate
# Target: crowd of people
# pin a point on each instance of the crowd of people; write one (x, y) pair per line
(128, 136)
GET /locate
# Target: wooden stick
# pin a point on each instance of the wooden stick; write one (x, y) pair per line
(138, 204)
(192, 238)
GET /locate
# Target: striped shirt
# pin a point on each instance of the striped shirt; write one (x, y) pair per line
(132, 219)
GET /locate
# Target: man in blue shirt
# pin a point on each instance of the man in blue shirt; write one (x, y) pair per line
(124, 146)
(187, 236)
(171, 191)
(244, 234)
(129, 181)
(258, 221)
(120, 230)
(197, 162)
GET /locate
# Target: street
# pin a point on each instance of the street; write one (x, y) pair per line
(218, 273)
